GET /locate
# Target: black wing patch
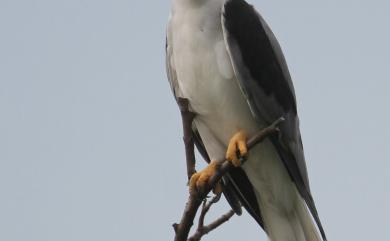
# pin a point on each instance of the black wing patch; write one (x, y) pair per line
(257, 52)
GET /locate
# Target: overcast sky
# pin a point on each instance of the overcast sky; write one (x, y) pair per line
(90, 136)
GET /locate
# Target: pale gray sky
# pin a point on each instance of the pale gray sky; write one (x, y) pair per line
(90, 136)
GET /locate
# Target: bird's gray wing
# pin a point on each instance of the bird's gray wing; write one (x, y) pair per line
(237, 188)
(264, 79)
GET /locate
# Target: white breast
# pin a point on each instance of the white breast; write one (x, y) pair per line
(205, 74)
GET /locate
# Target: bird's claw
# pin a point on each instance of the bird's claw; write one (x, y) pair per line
(237, 150)
(199, 180)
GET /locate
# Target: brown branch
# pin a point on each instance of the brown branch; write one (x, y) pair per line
(188, 137)
(202, 229)
(200, 232)
(205, 208)
(195, 200)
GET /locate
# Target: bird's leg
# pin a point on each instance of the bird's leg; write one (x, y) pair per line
(237, 149)
(200, 180)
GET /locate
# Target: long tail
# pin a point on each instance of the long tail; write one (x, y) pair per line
(294, 225)
(307, 222)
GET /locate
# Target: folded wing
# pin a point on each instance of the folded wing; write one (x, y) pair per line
(264, 79)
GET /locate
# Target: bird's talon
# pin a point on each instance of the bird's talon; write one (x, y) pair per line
(237, 149)
(199, 180)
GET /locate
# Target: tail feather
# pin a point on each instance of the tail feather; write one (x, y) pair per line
(307, 222)
(290, 225)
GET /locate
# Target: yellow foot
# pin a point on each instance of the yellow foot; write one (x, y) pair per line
(237, 148)
(200, 179)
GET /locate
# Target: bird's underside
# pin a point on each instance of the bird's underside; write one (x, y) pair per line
(224, 59)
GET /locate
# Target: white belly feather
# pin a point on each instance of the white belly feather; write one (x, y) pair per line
(206, 77)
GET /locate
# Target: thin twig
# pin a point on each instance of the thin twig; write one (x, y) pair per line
(202, 229)
(205, 208)
(200, 232)
(187, 117)
(224, 218)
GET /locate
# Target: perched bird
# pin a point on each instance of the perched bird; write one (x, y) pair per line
(223, 57)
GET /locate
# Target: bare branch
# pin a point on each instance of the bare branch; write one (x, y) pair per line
(200, 232)
(187, 117)
(205, 208)
(202, 229)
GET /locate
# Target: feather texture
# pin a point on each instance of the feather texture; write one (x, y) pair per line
(223, 57)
